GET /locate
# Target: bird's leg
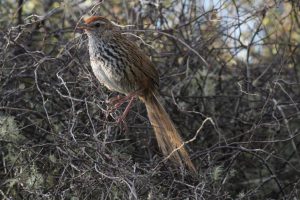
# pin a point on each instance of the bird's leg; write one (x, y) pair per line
(115, 103)
(126, 111)
(118, 101)
(112, 100)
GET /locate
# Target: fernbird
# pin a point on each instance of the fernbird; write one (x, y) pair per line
(121, 66)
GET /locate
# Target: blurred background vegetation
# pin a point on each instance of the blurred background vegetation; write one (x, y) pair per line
(229, 75)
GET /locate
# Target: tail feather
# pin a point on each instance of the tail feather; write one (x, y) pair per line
(168, 138)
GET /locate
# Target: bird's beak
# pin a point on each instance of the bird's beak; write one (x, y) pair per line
(83, 27)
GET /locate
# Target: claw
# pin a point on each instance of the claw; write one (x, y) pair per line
(117, 102)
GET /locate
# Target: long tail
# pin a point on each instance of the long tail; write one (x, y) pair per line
(168, 138)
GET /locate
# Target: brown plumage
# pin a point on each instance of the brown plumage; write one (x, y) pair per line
(121, 66)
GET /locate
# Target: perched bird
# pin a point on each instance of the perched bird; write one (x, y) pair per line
(121, 66)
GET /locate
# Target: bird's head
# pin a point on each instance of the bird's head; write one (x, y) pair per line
(96, 24)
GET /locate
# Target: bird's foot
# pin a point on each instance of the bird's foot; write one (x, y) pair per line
(117, 102)
(121, 121)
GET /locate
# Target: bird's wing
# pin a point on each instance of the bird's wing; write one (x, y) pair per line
(141, 62)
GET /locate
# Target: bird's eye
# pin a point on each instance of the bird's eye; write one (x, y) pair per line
(97, 25)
